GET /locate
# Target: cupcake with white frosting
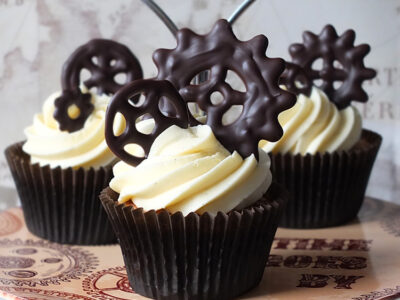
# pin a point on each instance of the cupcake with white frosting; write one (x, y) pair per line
(316, 125)
(191, 194)
(188, 170)
(62, 167)
(196, 211)
(85, 148)
(324, 157)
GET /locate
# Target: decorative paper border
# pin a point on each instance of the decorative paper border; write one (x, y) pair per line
(83, 262)
(52, 294)
(386, 294)
(89, 284)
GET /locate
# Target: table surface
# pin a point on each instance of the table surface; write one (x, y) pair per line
(358, 261)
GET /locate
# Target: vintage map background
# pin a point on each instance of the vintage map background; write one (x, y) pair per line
(36, 36)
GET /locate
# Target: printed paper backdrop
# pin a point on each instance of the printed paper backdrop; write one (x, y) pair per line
(36, 36)
(357, 261)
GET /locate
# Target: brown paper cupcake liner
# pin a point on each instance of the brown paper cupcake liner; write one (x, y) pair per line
(61, 205)
(325, 189)
(169, 256)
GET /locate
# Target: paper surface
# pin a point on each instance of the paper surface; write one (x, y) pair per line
(359, 261)
(37, 36)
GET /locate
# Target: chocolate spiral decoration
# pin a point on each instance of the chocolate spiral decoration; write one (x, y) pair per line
(104, 59)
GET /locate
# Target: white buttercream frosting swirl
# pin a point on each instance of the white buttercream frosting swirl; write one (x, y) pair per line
(188, 170)
(315, 125)
(86, 148)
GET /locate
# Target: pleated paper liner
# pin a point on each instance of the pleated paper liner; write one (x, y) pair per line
(169, 256)
(325, 190)
(61, 205)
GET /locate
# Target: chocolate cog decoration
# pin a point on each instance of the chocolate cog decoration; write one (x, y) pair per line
(296, 79)
(104, 59)
(218, 52)
(331, 47)
(154, 91)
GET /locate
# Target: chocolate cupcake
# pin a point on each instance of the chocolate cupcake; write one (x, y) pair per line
(61, 169)
(324, 158)
(195, 210)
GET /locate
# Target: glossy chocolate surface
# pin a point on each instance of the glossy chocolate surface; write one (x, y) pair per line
(218, 52)
(342, 64)
(296, 79)
(105, 60)
(125, 102)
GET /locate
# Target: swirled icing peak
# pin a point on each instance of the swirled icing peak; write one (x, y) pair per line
(188, 170)
(48, 145)
(314, 125)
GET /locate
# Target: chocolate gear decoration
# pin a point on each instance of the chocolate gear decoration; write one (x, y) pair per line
(154, 91)
(218, 52)
(296, 79)
(173, 29)
(331, 48)
(112, 59)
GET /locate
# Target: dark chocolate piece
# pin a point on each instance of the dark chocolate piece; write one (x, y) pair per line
(296, 79)
(104, 59)
(334, 50)
(67, 99)
(218, 52)
(154, 91)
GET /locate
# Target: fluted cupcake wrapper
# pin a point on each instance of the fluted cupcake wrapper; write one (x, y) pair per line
(169, 256)
(61, 205)
(325, 189)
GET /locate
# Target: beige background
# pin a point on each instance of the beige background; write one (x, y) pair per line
(36, 36)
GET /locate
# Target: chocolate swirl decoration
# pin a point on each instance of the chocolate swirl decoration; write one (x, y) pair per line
(342, 63)
(132, 111)
(105, 59)
(218, 52)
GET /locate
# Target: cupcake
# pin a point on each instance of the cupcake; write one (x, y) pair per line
(195, 210)
(325, 157)
(61, 168)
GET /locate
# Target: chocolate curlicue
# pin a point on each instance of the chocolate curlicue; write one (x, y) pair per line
(104, 59)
